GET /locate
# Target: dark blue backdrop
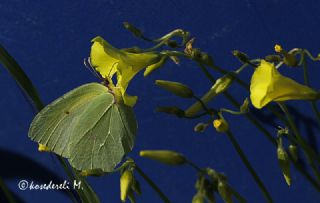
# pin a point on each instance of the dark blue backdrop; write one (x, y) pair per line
(49, 39)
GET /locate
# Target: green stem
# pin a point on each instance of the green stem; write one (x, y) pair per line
(249, 167)
(237, 195)
(6, 191)
(310, 154)
(306, 81)
(153, 185)
(193, 165)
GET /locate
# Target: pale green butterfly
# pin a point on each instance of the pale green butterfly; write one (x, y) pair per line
(87, 126)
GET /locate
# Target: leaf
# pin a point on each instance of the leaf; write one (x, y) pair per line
(20, 77)
(88, 127)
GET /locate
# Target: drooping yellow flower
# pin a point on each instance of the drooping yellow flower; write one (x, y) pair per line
(109, 61)
(267, 85)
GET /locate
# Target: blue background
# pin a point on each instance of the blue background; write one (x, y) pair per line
(50, 39)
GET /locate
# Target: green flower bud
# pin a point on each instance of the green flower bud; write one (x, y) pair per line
(136, 187)
(206, 59)
(293, 151)
(241, 56)
(171, 110)
(198, 198)
(212, 173)
(155, 66)
(273, 58)
(245, 106)
(176, 88)
(200, 127)
(209, 194)
(221, 85)
(126, 181)
(284, 163)
(135, 31)
(221, 125)
(164, 156)
(290, 60)
(93, 172)
(131, 197)
(225, 192)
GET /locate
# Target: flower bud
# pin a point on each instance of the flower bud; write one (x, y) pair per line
(225, 192)
(200, 127)
(198, 198)
(245, 106)
(221, 125)
(155, 66)
(290, 60)
(131, 197)
(241, 56)
(278, 48)
(284, 163)
(164, 156)
(126, 181)
(293, 151)
(136, 187)
(171, 110)
(135, 31)
(206, 59)
(210, 196)
(176, 88)
(273, 58)
(43, 148)
(221, 85)
(92, 172)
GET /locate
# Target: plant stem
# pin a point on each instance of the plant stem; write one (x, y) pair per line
(153, 185)
(249, 167)
(310, 154)
(6, 191)
(306, 81)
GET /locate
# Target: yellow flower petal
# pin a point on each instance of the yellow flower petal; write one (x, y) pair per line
(104, 58)
(267, 85)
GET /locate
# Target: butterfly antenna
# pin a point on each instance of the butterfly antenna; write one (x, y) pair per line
(88, 65)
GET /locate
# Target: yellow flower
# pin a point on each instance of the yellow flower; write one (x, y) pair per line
(109, 61)
(267, 85)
